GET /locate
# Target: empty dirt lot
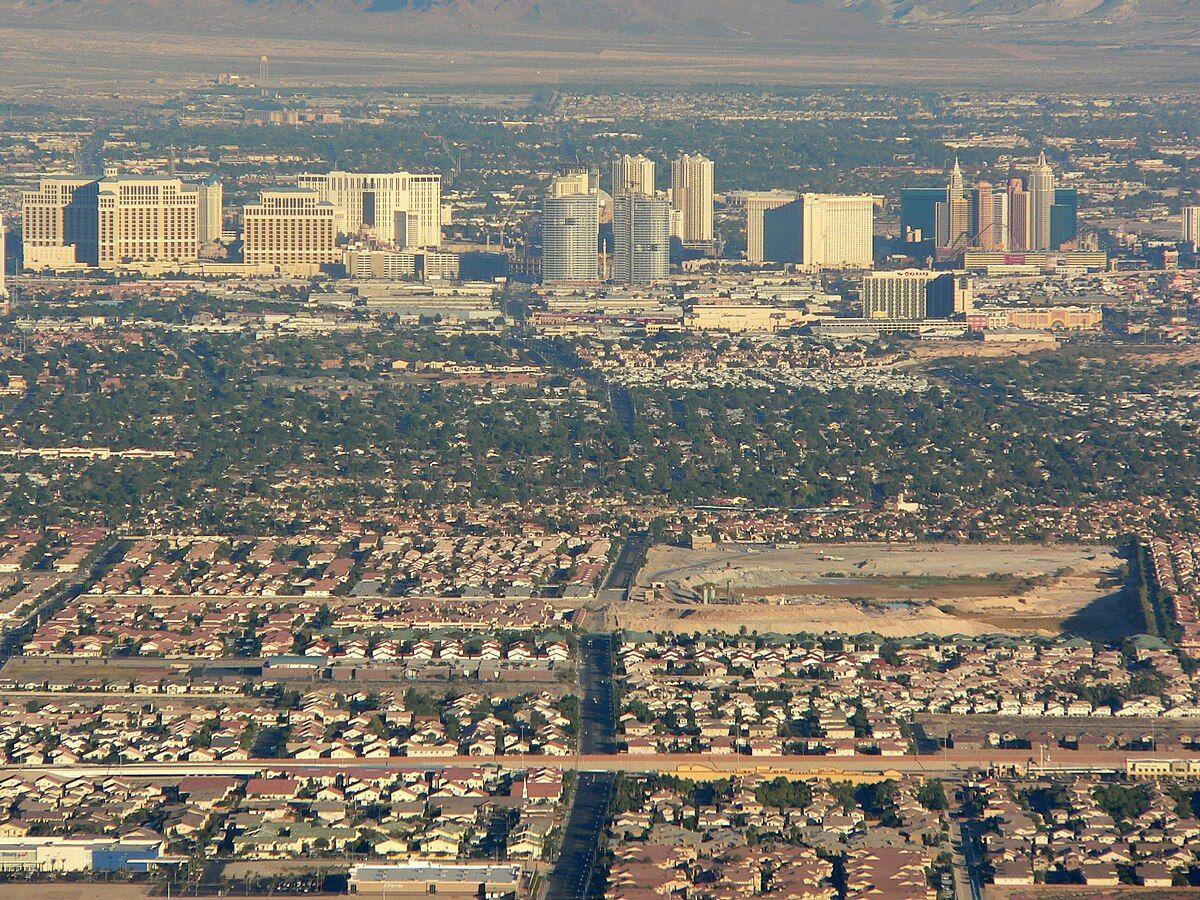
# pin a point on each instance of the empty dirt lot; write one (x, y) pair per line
(894, 590)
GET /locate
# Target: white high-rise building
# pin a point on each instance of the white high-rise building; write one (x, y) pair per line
(1191, 226)
(1040, 185)
(822, 231)
(692, 197)
(397, 208)
(632, 175)
(147, 220)
(641, 239)
(211, 219)
(570, 235)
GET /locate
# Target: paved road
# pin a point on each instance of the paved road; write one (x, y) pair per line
(946, 764)
(629, 560)
(15, 638)
(598, 712)
(575, 876)
(965, 886)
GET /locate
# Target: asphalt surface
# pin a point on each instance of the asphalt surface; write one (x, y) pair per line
(576, 875)
(598, 713)
(684, 765)
(965, 887)
(63, 595)
(630, 558)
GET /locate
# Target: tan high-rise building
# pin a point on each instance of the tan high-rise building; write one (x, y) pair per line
(954, 216)
(692, 198)
(822, 231)
(397, 208)
(292, 230)
(147, 221)
(58, 223)
(211, 219)
(1018, 217)
(1040, 184)
(572, 183)
(632, 175)
(757, 203)
(1191, 226)
(999, 236)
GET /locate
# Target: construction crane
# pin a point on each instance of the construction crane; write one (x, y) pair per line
(966, 240)
(508, 213)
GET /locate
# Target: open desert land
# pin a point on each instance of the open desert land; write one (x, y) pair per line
(102, 60)
(896, 591)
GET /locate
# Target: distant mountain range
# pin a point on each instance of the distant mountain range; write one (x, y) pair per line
(779, 21)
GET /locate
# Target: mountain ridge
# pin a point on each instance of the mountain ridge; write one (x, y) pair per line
(779, 20)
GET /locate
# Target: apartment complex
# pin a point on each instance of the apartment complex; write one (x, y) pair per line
(641, 239)
(570, 235)
(692, 198)
(292, 230)
(398, 208)
(821, 231)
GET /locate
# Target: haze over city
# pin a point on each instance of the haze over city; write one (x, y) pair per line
(632, 449)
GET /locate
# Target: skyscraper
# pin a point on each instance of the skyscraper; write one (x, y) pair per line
(1041, 198)
(1064, 217)
(3, 262)
(822, 231)
(579, 182)
(918, 212)
(757, 203)
(570, 232)
(1191, 226)
(146, 220)
(986, 232)
(641, 239)
(399, 208)
(632, 175)
(292, 230)
(58, 223)
(692, 197)
(954, 215)
(999, 237)
(1019, 213)
(210, 220)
